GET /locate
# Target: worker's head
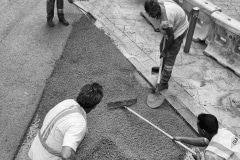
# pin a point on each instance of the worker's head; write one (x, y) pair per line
(207, 125)
(90, 96)
(153, 8)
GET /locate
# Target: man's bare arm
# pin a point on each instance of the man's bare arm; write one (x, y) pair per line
(67, 153)
(198, 141)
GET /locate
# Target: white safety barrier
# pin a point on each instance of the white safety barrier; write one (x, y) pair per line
(204, 22)
(224, 41)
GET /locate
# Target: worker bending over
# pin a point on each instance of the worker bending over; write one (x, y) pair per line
(174, 25)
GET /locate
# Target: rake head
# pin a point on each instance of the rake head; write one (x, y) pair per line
(121, 104)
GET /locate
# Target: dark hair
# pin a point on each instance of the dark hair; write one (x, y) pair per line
(208, 122)
(90, 95)
(151, 5)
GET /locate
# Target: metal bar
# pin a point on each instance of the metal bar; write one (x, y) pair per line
(169, 136)
(193, 20)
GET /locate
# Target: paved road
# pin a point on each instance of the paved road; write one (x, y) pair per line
(90, 55)
(28, 50)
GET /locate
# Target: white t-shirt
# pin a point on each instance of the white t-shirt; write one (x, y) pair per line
(64, 125)
(175, 18)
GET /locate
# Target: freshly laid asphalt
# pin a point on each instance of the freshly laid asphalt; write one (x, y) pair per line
(91, 56)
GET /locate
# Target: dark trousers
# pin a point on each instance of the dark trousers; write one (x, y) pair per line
(169, 60)
(50, 8)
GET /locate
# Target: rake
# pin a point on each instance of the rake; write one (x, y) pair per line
(127, 103)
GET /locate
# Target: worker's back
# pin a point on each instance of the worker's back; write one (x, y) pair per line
(224, 144)
(61, 122)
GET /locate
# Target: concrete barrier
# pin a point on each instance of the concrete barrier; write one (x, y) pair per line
(224, 41)
(204, 22)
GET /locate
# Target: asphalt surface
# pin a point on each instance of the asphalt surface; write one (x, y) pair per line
(28, 51)
(91, 56)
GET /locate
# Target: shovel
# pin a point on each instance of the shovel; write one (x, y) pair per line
(155, 99)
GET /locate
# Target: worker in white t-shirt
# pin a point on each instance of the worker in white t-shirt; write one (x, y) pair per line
(221, 144)
(174, 26)
(65, 126)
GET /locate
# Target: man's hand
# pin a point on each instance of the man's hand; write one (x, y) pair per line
(67, 153)
(70, 1)
(197, 156)
(176, 139)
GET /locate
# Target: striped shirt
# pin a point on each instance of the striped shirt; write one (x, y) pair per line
(225, 145)
(64, 125)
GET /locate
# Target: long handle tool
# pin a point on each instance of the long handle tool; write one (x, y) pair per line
(126, 103)
(169, 136)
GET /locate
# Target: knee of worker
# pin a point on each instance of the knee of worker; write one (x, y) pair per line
(59, 4)
(166, 74)
(169, 61)
(175, 48)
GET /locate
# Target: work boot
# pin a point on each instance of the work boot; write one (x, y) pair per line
(162, 86)
(62, 19)
(50, 23)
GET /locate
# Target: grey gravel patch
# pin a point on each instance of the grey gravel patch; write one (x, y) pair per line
(106, 150)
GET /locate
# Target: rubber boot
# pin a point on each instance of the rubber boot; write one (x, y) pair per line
(62, 19)
(50, 23)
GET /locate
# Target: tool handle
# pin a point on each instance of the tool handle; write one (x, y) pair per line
(161, 62)
(169, 136)
(160, 70)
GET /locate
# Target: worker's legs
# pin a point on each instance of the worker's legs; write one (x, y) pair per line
(60, 13)
(169, 60)
(50, 12)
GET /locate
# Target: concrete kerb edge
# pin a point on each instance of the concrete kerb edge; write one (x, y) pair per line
(183, 111)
